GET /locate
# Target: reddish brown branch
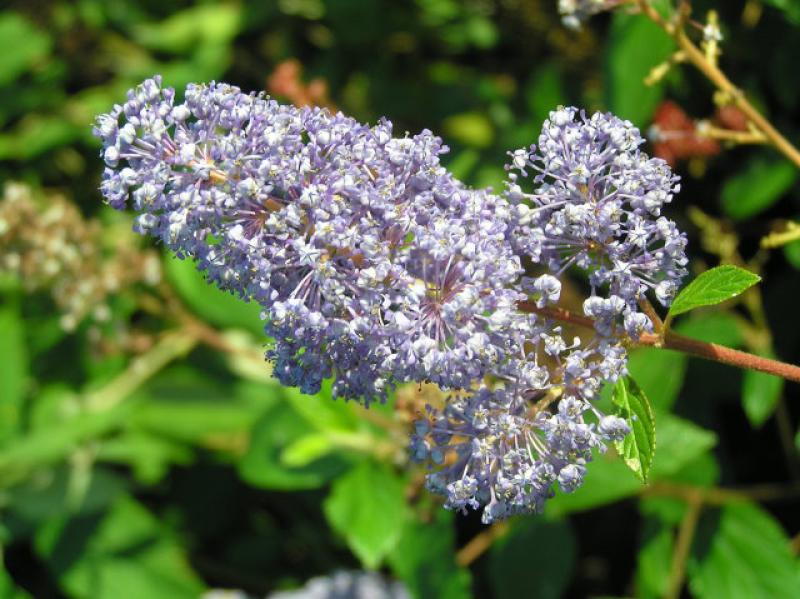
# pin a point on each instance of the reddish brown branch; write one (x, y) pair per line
(681, 343)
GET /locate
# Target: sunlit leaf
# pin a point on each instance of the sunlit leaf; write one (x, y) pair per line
(211, 23)
(741, 552)
(654, 560)
(424, 559)
(639, 446)
(368, 508)
(124, 554)
(21, 45)
(713, 287)
(760, 395)
(634, 47)
(470, 128)
(757, 187)
(215, 306)
(13, 367)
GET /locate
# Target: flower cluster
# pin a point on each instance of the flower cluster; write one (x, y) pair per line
(508, 449)
(375, 266)
(47, 244)
(596, 205)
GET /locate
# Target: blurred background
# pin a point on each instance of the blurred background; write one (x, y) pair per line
(145, 452)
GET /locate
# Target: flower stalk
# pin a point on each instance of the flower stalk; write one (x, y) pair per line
(681, 343)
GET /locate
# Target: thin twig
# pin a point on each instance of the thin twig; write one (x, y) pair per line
(779, 238)
(696, 56)
(681, 343)
(682, 547)
(481, 542)
(737, 137)
(719, 496)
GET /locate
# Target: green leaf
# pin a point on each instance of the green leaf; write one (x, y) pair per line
(181, 32)
(791, 252)
(536, 551)
(654, 560)
(367, 507)
(639, 446)
(683, 441)
(36, 134)
(215, 306)
(306, 449)
(124, 554)
(713, 287)
(9, 589)
(660, 374)
(424, 559)
(714, 327)
(53, 443)
(321, 411)
(760, 395)
(21, 46)
(757, 187)
(703, 472)
(149, 455)
(607, 480)
(185, 405)
(470, 128)
(635, 46)
(45, 496)
(463, 163)
(741, 552)
(264, 464)
(13, 368)
(687, 458)
(544, 93)
(790, 8)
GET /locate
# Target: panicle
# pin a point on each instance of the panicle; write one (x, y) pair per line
(374, 266)
(596, 204)
(504, 450)
(372, 263)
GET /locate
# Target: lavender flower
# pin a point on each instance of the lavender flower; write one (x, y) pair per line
(597, 205)
(510, 452)
(373, 264)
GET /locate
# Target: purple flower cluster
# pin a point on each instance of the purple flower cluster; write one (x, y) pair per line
(375, 266)
(510, 450)
(596, 205)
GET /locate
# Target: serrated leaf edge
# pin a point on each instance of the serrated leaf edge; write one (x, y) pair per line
(645, 417)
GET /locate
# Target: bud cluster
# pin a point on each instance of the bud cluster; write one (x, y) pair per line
(374, 266)
(46, 243)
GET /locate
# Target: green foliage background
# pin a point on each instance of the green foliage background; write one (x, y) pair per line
(181, 466)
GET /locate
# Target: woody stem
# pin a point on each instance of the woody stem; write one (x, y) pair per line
(681, 343)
